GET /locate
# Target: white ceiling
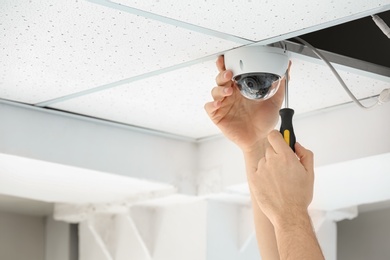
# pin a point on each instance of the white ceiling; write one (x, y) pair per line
(151, 63)
(25, 206)
(34, 179)
(255, 20)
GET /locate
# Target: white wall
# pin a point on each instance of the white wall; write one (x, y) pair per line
(209, 166)
(365, 237)
(220, 164)
(98, 145)
(21, 237)
(61, 240)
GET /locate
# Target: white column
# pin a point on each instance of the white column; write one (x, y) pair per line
(325, 226)
(58, 240)
(173, 227)
(230, 231)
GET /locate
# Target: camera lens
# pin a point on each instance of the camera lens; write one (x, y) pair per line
(250, 83)
(258, 85)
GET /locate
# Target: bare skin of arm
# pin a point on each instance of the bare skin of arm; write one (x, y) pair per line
(292, 177)
(247, 123)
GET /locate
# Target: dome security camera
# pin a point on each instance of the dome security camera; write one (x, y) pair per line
(257, 70)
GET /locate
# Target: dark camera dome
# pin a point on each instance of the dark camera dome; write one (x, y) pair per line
(258, 85)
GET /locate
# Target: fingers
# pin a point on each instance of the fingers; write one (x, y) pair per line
(211, 107)
(224, 89)
(219, 93)
(269, 152)
(220, 103)
(277, 142)
(220, 63)
(224, 78)
(306, 157)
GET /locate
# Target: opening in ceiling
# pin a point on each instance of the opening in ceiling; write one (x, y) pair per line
(359, 39)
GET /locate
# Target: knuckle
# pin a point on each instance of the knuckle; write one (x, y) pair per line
(274, 133)
(218, 78)
(214, 92)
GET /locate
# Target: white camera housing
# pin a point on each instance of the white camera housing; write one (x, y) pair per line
(257, 70)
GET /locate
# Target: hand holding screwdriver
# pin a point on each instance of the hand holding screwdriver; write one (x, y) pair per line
(286, 115)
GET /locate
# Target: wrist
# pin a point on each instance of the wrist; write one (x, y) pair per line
(253, 153)
(296, 237)
(255, 148)
(291, 219)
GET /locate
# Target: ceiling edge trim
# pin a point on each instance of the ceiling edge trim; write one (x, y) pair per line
(171, 21)
(127, 80)
(368, 69)
(96, 120)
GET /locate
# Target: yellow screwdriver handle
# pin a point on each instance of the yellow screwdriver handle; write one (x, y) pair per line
(286, 127)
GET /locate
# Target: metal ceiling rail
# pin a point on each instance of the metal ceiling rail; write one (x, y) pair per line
(127, 80)
(364, 67)
(161, 133)
(198, 29)
(138, 129)
(171, 21)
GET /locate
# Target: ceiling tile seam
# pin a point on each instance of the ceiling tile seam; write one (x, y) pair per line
(293, 47)
(182, 65)
(233, 38)
(322, 26)
(171, 21)
(128, 80)
(134, 128)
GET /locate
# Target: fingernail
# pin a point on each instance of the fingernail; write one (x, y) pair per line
(225, 75)
(227, 90)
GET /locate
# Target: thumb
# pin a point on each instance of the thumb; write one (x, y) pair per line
(305, 156)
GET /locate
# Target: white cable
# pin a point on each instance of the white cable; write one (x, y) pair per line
(338, 76)
(382, 25)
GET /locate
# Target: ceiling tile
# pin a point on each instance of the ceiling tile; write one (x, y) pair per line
(313, 86)
(173, 102)
(256, 20)
(50, 49)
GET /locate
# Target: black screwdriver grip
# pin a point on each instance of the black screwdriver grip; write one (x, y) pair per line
(286, 127)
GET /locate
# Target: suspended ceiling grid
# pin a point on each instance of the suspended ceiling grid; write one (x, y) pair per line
(151, 63)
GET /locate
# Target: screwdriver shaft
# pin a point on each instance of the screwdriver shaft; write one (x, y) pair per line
(286, 114)
(286, 91)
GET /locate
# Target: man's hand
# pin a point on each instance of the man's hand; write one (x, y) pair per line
(283, 182)
(283, 188)
(245, 122)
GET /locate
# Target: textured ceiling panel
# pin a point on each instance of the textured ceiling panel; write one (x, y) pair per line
(256, 20)
(54, 48)
(313, 86)
(173, 102)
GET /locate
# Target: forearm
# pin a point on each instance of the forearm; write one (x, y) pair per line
(265, 233)
(296, 238)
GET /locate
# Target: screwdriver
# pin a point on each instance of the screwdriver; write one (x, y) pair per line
(286, 115)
